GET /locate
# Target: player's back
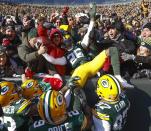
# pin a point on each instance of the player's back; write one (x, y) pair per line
(74, 122)
(115, 113)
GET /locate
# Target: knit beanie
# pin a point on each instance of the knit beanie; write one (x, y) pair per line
(146, 43)
(148, 25)
(32, 33)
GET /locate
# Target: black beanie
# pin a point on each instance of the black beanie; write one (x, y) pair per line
(148, 25)
(117, 25)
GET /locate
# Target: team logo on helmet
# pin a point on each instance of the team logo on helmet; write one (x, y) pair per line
(29, 85)
(9, 93)
(59, 99)
(4, 90)
(30, 88)
(105, 83)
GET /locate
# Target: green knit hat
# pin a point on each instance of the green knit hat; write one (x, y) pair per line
(146, 43)
(32, 33)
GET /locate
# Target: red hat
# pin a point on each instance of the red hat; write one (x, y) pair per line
(42, 31)
(55, 83)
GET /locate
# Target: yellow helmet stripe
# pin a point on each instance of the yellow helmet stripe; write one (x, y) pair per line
(117, 83)
(24, 105)
(43, 109)
(46, 106)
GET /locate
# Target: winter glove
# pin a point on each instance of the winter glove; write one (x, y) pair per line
(48, 25)
(73, 82)
(144, 73)
(126, 56)
(6, 42)
(55, 83)
(29, 73)
(92, 11)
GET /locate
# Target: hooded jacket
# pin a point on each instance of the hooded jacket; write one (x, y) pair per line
(57, 51)
(31, 57)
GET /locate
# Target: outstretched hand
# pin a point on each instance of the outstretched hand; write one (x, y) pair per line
(73, 82)
(126, 56)
(92, 11)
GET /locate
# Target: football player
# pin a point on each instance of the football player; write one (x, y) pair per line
(15, 108)
(111, 111)
(30, 88)
(54, 116)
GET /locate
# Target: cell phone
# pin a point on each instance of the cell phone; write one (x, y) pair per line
(37, 45)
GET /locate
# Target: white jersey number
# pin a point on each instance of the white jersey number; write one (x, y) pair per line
(120, 120)
(75, 55)
(39, 123)
(10, 123)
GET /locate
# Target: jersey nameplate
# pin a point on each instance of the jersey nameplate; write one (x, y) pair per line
(120, 106)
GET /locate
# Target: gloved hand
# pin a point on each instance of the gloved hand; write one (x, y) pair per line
(29, 73)
(73, 82)
(126, 56)
(55, 83)
(48, 25)
(6, 42)
(92, 11)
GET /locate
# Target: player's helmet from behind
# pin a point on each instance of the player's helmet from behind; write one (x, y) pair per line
(52, 107)
(8, 93)
(30, 89)
(108, 88)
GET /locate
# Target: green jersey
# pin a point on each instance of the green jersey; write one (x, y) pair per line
(114, 113)
(76, 56)
(44, 86)
(15, 115)
(3, 127)
(74, 122)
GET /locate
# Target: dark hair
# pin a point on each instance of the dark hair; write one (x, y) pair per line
(117, 25)
(148, 25)
(10, 27)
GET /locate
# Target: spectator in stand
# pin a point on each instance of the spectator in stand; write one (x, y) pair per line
(11, 41)
(55, 49)
(139, 63)
(118, 40)
(144, 8)
(8, 68)
(31, 53)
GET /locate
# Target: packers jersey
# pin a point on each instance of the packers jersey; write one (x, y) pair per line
(93, 51)
(14, 117)
(76, 56)
(75, 121)
(114, 113)
(3, 127)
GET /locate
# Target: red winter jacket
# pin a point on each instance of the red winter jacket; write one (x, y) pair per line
(56, 51)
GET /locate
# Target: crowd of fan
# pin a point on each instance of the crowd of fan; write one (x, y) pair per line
(18, 21)
(48, 43)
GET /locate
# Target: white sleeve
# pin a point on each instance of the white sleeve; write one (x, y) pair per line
(85, 41)
(55, 61)
(101, 125)
(67, 96)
